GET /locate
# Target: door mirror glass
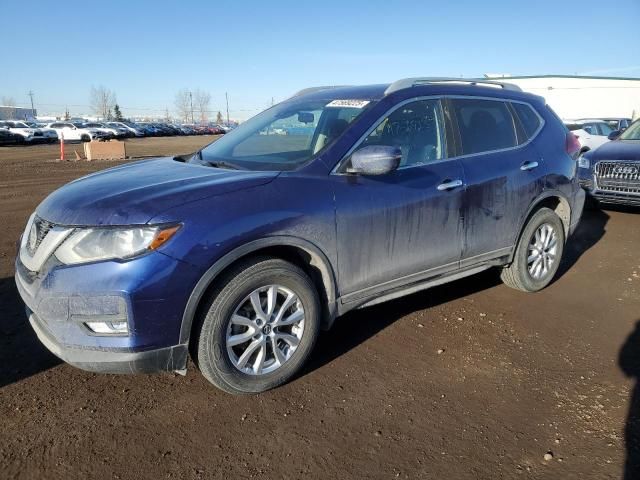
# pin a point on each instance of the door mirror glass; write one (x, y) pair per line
(613, 135)
(375, 160)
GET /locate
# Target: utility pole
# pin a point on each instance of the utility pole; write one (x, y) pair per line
(227, 97)
(33, 110)
(191, 102)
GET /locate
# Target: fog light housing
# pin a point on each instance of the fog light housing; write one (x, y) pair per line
(108, 328)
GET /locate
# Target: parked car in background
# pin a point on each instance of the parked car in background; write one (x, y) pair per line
(591, 133)
(611, 174)
(108, 132)
(9, 138)
(50, 135)
(188, 130)
(618, 123)
(243, 251)
(75, 132)
(30, 135)
(132, 130)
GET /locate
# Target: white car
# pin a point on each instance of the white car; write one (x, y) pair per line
(49, 134)
(591, 133)
(132, 130)
(102, 127)
(73, 132)
(31, 135)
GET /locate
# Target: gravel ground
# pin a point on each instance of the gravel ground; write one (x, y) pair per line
(470, 380)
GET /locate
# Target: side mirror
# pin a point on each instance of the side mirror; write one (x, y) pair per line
(615, 134)
(375, 160)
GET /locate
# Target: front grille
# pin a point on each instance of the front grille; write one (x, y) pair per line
(620, 177)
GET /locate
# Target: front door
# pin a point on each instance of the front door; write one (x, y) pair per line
(397, 228)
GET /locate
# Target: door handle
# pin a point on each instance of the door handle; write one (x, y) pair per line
(450, 184)
(528, 165)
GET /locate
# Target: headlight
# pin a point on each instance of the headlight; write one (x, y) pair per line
(583, 162)
(93, 244)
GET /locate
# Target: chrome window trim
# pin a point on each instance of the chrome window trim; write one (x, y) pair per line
(335, 170)
(504, 100)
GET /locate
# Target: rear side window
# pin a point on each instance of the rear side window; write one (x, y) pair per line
(485, 125)
(529, 119)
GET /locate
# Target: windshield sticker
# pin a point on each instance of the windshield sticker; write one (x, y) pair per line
(348, 103)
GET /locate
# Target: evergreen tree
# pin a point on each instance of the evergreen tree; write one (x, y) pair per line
(117, 113)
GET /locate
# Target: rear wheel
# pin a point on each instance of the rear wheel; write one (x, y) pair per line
(538, 253)
(259, 327)
(85, 138)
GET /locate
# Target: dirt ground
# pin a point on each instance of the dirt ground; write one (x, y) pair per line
(470, 380)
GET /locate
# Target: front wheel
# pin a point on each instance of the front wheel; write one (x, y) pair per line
(538, 253)
(259, 327)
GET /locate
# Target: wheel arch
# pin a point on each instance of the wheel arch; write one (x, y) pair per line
(296, 250)
(554, 200)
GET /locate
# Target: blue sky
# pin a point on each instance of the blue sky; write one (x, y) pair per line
(148, 50)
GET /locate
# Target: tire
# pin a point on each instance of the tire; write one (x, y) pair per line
(222, 363)
(85, 138)
(519, 274)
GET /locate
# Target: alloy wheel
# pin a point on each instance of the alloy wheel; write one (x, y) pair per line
(265, 330)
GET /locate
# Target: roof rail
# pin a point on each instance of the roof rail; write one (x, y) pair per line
(304, 91)
(414, 82)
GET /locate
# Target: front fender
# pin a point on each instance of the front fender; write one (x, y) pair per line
(318, 260)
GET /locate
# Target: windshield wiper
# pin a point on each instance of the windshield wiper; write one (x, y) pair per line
(222, 164)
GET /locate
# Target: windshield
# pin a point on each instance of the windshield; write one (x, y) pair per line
(20, 125)
(631, 133)
(605, 128)
(284, 136)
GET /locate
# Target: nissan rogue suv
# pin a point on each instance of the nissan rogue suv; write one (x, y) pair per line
(335, 199)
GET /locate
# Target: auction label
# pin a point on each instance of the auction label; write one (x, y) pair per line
(348, 103)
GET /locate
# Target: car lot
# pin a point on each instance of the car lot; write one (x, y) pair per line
(467, 380)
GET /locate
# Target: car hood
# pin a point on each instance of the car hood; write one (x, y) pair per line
(617, 150)
(136, 192)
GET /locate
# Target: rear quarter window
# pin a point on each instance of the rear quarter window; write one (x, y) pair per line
(529, 119)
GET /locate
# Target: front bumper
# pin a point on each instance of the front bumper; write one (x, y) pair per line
(111, 361)
(145, 292)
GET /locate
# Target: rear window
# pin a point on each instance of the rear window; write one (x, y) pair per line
(529, 119)
(485, 125)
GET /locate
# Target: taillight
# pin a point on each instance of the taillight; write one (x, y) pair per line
(572, 145)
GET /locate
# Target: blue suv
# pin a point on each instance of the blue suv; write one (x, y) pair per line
(335, 199)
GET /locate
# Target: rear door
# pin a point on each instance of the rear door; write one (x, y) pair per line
(503, 172)
(400, 227)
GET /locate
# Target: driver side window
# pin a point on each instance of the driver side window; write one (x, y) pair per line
(416, 128)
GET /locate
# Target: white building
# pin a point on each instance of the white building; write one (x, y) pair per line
(9, 112)
(574, 96)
